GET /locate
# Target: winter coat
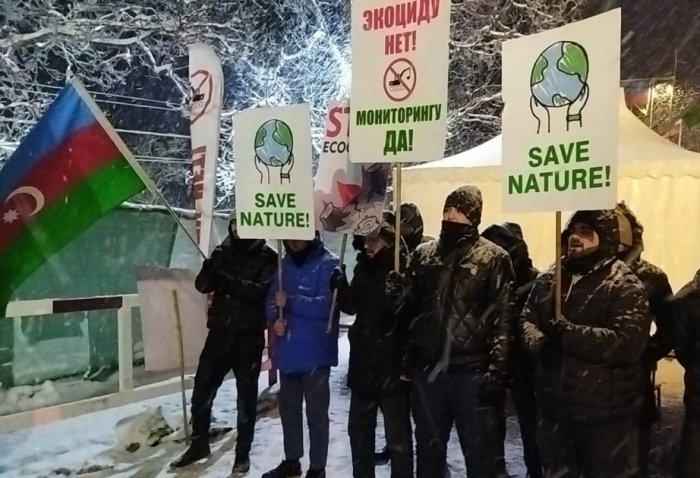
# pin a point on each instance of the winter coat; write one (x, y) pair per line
(306, 345)
(686, 308)
(238, 275)
(658, 289)
(377, 338)
(509, 237)
(589, 367)
(458, 302)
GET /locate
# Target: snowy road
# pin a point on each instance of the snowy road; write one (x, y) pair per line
(88, 446)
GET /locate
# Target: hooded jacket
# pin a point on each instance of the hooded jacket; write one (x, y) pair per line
(238, 275)
(657, 287)
(589, 369)
(509, 237)
(686, 308)
(458, 300)
(412, 222)
(306, 345)
(377, 337)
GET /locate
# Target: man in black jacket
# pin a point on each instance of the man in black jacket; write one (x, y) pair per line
(457, 296)
(589, 376)
(238, 275)
(686, 307)
(377, 346)
(659, 294)
(521, 367)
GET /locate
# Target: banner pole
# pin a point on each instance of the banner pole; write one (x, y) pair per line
(182, 367)
(557, 282)
(280, 248)
(335, 292)
(397, 208)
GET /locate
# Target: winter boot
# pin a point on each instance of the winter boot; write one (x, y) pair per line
(198, 450)
(381, 458)
(241, 466)
(316, 474)
(286, 469)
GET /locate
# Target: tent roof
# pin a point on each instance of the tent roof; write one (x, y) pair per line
(642, 153)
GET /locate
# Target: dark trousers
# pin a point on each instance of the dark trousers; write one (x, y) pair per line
(362, 424)
(312, 387)
(222, 353)
(437, 405)
(523, 396)
(647, 419)
(689, 459)
(589, 451)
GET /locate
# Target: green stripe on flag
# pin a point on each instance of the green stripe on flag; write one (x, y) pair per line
(59, 223)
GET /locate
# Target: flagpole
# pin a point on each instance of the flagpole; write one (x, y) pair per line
(109, 129)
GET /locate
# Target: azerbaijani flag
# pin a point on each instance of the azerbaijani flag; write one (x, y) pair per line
(70, 170)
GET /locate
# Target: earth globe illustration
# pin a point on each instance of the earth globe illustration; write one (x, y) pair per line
(560, 74)
(274, 143)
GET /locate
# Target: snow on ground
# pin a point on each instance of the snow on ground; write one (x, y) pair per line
(88, 446)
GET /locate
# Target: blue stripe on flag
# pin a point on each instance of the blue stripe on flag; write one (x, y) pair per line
(66, 115)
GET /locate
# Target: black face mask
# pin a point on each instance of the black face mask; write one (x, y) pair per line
(299, 257)
(452, 232)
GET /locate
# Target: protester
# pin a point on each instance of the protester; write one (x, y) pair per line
(377, 346)
(686, 308)
(238, 276)
(412, 227)
(457, 295)
(521, 368)
(589, 377)
(304, 352)
(659, 295)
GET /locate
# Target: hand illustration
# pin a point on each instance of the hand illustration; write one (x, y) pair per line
(541, 113)
(286, 169)
(573, 112)
(263, 169)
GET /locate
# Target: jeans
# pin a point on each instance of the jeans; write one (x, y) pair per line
(362, 424)
(221, 354)
(453, 398)
(312, 387)
(589, 451)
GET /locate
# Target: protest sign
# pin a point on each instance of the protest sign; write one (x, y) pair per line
(274, 186)
(349, 198)
(400, 59)
(560, 122)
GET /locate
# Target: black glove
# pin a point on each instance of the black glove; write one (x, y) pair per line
(492, 392)
(338, 279)
(395, 286)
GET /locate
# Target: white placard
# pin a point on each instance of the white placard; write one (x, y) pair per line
(560, 122)
(274, 184)
(400, 60)
(349, 197)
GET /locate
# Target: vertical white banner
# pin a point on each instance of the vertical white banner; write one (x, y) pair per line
(349, 197)
(560, 122)
(206, 96)
(274, 184)
(400, 63)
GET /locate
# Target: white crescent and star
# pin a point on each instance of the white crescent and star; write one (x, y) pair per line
(12, 214)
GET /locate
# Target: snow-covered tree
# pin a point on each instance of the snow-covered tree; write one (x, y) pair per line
(273, 52)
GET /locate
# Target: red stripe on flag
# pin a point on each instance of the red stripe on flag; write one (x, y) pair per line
(53, 176)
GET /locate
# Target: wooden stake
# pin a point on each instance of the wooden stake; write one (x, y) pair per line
(182, 367)
(397, 208)
(557, 281)
(280, 248)
(335, 292)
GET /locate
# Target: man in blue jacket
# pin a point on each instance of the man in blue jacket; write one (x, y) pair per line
(305, 351)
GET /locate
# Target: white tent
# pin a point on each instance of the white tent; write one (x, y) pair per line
(659, 181)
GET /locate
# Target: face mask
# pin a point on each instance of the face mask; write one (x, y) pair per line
(452, 232)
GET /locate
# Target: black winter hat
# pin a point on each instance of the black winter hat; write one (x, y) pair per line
(467, 200)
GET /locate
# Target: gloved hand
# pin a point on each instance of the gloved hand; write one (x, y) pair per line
(492, 392)
(395, 286)
(339, 280)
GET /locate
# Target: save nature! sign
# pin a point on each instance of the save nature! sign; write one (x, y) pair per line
(560, 121)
